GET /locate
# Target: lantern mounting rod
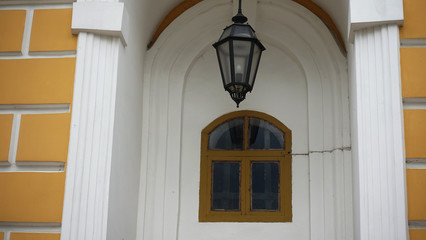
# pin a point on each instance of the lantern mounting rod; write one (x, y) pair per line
(239, 18)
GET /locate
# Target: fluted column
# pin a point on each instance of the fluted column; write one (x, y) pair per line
(377, 136)
(90, 148)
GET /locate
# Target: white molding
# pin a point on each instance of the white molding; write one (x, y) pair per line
(32, 167)
(414, 103)
(23, 227)
(13, 148)
(417, 224)
(35, 6)
(27, 32)
(59, 54)
(34, 2)
(367, 13)
(410, 42)
(104, 18)
(416, 160)
(416, 165)
(377, 135)
(34, 108)
(90, 149)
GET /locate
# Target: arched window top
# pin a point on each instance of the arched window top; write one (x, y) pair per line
(248, 130)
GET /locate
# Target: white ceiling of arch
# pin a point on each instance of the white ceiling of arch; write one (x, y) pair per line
(337, 9)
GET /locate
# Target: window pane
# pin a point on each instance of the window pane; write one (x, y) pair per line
(265, 186)
(263, 135)
(227, 136)
(226, 186)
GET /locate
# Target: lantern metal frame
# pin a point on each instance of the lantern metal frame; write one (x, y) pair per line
(239, 31)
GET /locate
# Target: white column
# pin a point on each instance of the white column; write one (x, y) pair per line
(377, 136)
(90, 149)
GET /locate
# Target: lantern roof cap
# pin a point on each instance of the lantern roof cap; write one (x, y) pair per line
(239, 31)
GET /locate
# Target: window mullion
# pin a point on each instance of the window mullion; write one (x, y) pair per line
(245, 142)
(245, 186)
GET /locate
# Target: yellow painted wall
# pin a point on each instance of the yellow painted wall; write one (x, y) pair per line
(413, 72)
(12, 24)
(415, 132)
(51, 31)
(5, 133)
(31, 197)
(37, 81)
(35, 197)
(44, 137)
(417, 234)
(416, 194)
(413, 83)
(35, 236)
(414, 19)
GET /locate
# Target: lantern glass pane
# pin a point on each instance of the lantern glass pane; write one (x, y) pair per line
(225, 33)
(243, 31)
(225, 62)
(255, 63)
(241, 59)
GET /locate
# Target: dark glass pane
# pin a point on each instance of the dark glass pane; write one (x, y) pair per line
(265, 186)
(226, 186)
(263, 135)
(227, 136)
(225, 62)
(241, 59)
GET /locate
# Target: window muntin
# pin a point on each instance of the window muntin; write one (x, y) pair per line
(268, 164)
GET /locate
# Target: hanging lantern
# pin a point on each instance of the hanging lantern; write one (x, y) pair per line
(238, 52)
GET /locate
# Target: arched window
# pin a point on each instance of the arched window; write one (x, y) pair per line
(245, 169)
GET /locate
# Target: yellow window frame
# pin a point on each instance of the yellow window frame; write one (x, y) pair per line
(245, 157)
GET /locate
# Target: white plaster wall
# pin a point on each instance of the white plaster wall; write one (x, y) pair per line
(126, 156)
(280, 90)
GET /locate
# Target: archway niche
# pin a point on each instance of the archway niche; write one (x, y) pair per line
(302, 81)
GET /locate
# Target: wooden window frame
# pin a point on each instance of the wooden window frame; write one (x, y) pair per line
(245, 157)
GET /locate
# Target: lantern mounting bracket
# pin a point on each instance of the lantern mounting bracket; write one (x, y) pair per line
(239, 18)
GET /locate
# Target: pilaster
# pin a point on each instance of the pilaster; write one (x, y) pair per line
(90, 149)
(377, 136)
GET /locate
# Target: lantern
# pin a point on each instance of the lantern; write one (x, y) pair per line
(238, 52)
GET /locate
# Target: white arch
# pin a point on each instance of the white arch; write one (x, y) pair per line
(296, 31)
